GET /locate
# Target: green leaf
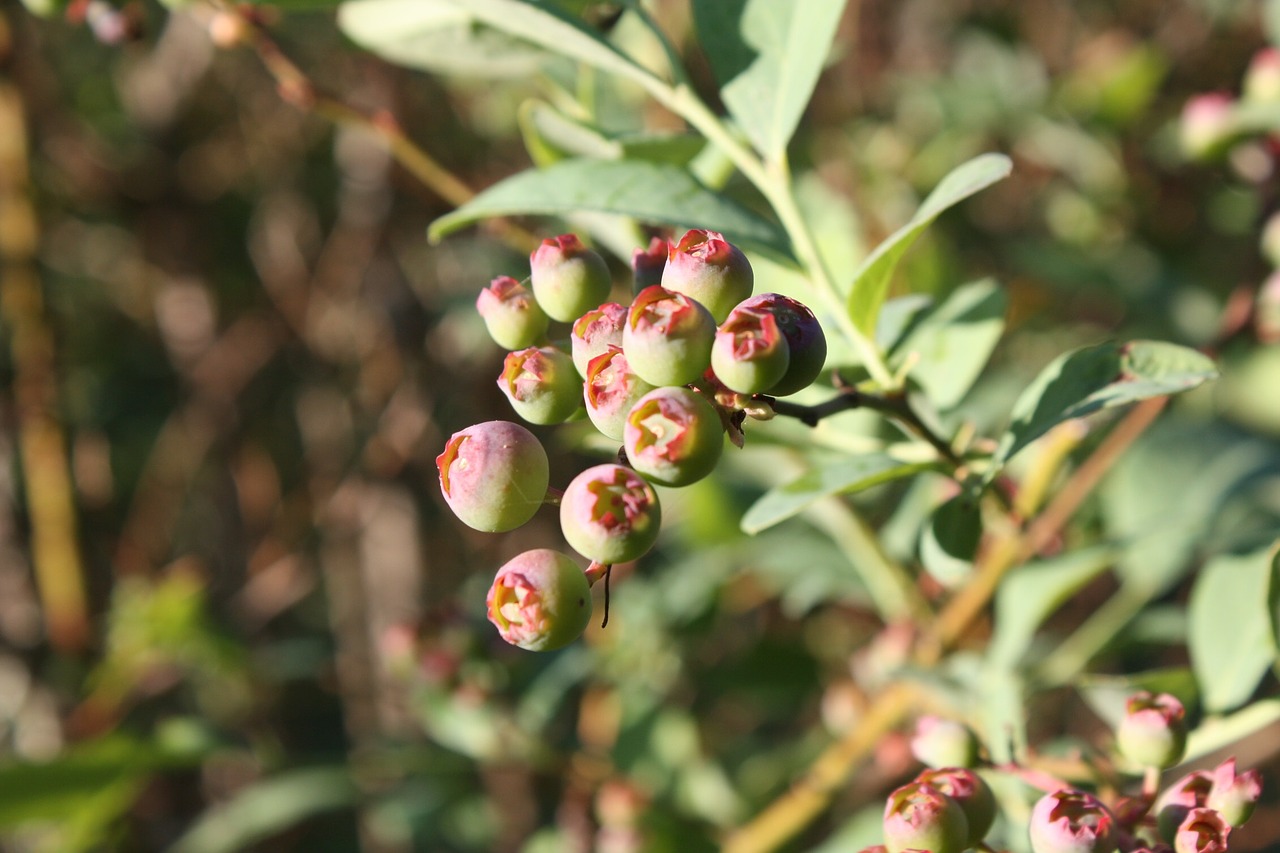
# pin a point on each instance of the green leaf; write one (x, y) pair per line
(550, 136)
(651, 192)
(1221, 732)
(950, 345)
(767, 57)
(871, 283)
(863, 472)
(1271, 20)
(950, 540)
(1099, 377)
(1229, 636)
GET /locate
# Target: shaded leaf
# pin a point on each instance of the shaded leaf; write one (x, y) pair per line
(651, 192)
(871, 283)
(950, 540)
(782, 502)
(767, 57)
(1229, 635)
(1098, 377)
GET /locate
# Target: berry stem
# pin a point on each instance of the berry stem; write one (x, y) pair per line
(553, 496)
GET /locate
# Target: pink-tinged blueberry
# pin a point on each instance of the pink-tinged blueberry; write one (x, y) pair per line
(972, 794)
(1202, 831)
(918, 816)
(940, 742)
(540, 600)
(805, 340)
(1069, 821)
(750, 354)
(595, 331)
(610, 514)
(1177, 801)
(1234, 795)
(1153, 731)
(707, 267)
(667, 337)
(673, 436)
(542, 385)
(568, 279)
(493, 475)
(511, 314)
(647, 264)
(610, 390)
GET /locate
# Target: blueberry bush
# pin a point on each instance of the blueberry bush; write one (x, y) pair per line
(883, 453)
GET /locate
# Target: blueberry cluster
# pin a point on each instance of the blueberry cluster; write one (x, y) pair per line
(665, 376)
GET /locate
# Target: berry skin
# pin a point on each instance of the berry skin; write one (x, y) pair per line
(1067, 821)
(568, 279)
(707, 267)
(1153, 732)
(594, 332)
(917, 816)
(750, 354)
(1234, 796)
(542, 385)
(1202, 831)
(971, 793)
(667, 337)
(939, 742)
(805, 340)
(494, 475)
(673, 436)
(540, 600)
(610, 514)
(647, 264)
(610, 390)
(511, 314)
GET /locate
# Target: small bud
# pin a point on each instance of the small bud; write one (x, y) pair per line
(1262, 78)
(1153, 732)
(1202, 831)
(939, 742)
(647, 264)
(971, 793)
(667, 337)
(493, 475)
(749, 354)
(919, 816)
(610, 514)
(710, 269)
(1068, 821)
(1207, 124)
(610, 390)
(542, 385)
(805, 340)
(568, 279)
(673, 436)
(596, 331)
(1234, 796)
(511, 314)
(540, 600)
(1177, 801)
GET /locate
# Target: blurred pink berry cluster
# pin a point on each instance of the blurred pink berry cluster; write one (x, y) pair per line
(667, 375)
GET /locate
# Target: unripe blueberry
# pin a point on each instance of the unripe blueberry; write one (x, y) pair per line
(540, 600)
(667, 337)
(1202, 831)
(918, 816)
(611, 389)
(939, 742)
(511, 314)
(971, 793)
(1234, 796)
(805, 340)
(596, 331)
(1067, 821)
(647, 264)
(1262, 78)
(707, 267)
(1207, 124)
(493, 475)
(673, 436)
(1153, 732)
(610, 514)
(1177, 801)
(567, 277)
(749, 354)
(542, 385)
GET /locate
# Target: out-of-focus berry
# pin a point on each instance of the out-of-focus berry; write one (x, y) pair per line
(750, 354)
(971, 793)
(568, 279)
(610, 514)
(610, 390)
(805, 340)
(1202, 831)
(542, 385)
(596, 331)
(540, 600)
(1153, 732)
(673, 436)
(1234, 796)
(1266, 318)
(939, 742)
(511, 314)
(647, 264)
(1067, 821)
(708, 268)
(494, 475)
(918, 816)
(1177, 801)
(667, 337)
(1262, 78)
(1207, 124)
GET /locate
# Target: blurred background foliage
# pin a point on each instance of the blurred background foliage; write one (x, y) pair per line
(235, 613)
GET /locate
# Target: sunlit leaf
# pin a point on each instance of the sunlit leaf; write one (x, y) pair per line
(1229, 635)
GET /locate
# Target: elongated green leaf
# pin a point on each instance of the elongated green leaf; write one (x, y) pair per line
(1221, 732)
(950, 540)
(651, 192)
(951, 344)
(1229, 635)
(767, 56)
(550, 136)
(1094, 378)
(779, 504)
(871, 283)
